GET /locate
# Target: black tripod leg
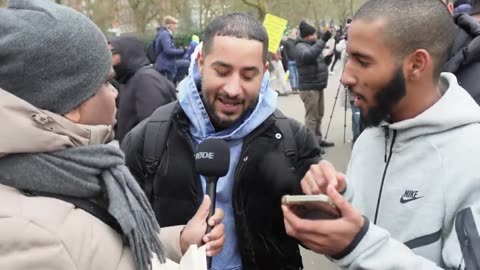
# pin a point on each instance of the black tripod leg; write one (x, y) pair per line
(333, 109)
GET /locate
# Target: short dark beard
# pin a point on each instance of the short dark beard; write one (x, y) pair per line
(218, 123)
(386, 99)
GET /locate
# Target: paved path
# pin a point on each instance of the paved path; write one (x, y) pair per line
(339, 155)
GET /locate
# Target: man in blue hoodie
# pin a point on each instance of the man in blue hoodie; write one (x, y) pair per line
(232, 102)
(413, 174)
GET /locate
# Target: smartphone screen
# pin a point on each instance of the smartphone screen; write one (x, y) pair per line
(312, 206)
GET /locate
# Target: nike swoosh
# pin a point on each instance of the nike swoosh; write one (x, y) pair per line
(402, 200)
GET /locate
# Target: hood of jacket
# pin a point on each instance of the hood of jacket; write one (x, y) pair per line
(34, 130)
(432, 160)
(133, 57)
(462, 110)
(201, 127)
(466, 46)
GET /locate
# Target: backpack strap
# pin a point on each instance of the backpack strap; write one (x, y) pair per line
(156, 133)
(290, 146)
(86, 205)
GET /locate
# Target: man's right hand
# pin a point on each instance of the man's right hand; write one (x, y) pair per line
(320, 176)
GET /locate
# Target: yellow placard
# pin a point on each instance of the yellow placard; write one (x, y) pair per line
(275, 28)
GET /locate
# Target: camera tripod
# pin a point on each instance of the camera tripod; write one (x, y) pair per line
(345, 112)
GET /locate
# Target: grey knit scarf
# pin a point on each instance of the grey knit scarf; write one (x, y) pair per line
(91, 172)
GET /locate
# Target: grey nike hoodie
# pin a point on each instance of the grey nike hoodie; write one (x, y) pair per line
(418, 183)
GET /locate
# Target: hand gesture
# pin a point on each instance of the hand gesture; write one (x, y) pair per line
(321, 175)
(194, 231)
(329, 236)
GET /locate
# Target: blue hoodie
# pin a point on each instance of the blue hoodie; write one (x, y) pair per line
(201, 129)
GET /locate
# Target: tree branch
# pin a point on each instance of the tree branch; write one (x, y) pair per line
(248, 3)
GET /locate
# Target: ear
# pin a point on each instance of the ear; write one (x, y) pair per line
(267, 64)
(200, 61)
(417, 64)
(450, 7)
(73, 115)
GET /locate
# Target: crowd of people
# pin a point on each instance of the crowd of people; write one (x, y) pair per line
(97, 164)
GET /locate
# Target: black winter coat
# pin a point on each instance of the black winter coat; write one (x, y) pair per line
(260, 182)
(464, 57)
(142, 89)
(312, 66)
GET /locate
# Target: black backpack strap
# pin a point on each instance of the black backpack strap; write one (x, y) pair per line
(288, 139)
(156, 133)
(86, 205)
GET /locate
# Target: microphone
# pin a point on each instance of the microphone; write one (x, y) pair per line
(212, 160)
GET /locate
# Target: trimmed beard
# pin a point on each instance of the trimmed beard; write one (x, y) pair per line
(216, 121)
(386, 99)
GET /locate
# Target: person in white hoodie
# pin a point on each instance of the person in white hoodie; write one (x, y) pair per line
(413, 174)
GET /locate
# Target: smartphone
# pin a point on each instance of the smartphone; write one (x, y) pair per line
(312, 206)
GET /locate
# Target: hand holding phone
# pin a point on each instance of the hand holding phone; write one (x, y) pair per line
(312, 206)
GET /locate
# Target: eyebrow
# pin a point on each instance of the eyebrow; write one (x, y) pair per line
(360, 55)
(225, 65)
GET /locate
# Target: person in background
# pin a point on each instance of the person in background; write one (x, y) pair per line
(167, 63)
(289, 58)
(337, 52)
(191, 47)
(141, 88)
(312, 59)
(463, 58)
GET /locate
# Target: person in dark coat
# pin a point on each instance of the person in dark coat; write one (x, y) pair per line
(142, 88)
(288, 58)
(312, 59)
(463, 59)
(337, 53)
(167, 63)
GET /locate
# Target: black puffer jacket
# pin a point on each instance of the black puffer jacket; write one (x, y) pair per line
(464, 57)
(260, 181)
(142, 89)
(312, 66)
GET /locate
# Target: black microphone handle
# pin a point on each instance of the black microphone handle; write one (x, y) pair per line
(211, 191)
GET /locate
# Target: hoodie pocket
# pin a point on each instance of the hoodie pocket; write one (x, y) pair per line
(468, 238)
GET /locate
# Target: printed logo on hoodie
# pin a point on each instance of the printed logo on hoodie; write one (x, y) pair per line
(409, 195)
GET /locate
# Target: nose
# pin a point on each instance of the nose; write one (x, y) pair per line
(347, 78)
(233, 85)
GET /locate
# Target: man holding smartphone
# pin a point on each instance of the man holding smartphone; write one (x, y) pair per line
(408, 175)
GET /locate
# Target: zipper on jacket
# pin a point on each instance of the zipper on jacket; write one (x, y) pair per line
(387, 137)
(387, 161)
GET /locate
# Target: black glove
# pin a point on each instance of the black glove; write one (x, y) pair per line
(326, 36)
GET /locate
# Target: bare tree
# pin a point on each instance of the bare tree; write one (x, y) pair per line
(144, 11)
(209, 9)
(99, 12)
(260, 5)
